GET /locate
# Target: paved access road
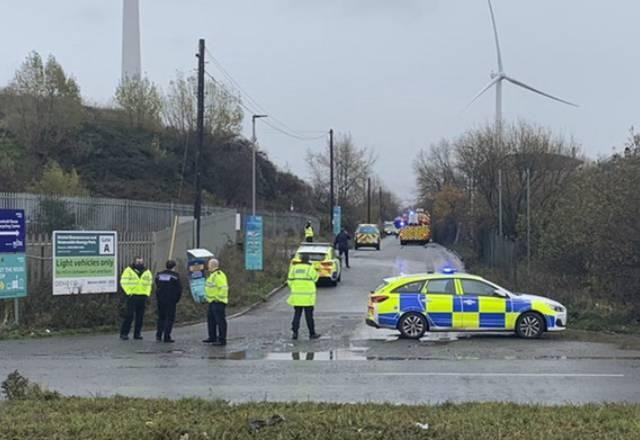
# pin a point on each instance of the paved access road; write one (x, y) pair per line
(351, 362)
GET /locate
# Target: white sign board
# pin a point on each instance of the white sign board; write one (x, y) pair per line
(85, 262)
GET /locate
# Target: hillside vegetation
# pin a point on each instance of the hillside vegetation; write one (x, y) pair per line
(143, 148)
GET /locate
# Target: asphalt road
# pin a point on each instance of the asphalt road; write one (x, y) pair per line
(351, 362)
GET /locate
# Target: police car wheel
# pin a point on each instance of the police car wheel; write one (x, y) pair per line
(530, 325)
(412, 325)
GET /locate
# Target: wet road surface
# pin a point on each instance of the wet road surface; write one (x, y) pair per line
(351, 362)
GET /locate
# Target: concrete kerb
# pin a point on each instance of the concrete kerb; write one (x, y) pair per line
(257, 303)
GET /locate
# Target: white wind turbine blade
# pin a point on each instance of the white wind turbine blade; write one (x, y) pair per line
(495, 33)
(482, 92)
(540, 92)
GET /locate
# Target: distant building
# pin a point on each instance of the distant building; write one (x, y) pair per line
(131, 63)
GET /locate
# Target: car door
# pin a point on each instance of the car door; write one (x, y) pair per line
(482, 307)
(442, 303)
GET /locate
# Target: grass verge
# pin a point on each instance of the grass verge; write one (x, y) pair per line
(118, 417)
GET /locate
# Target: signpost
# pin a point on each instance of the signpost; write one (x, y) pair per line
(13, 267)
(85, 262)
(337, 220)
(253, 243)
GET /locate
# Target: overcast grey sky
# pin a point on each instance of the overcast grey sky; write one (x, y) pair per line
(395, 74)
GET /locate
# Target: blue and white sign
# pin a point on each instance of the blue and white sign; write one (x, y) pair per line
(337, 220)
(12, 231)
(13, 276)
(253, 243)
(197, 260)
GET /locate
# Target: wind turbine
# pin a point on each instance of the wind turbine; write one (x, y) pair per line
(500, 76)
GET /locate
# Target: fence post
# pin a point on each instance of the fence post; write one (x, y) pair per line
(16, 311)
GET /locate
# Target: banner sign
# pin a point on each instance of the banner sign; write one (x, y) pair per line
(253, 243)
(13, 276)
(12, 230)
(337, 220)
(85, 262)
(197, 260)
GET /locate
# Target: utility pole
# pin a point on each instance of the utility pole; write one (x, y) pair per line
(500, 203)
(254, 141)
(331, 189)
(528, 221)
(197, 209)
(369, 200)
(380, 198)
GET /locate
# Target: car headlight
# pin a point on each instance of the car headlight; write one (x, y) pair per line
(559, 309)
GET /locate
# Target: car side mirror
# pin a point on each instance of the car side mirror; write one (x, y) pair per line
(500, 293)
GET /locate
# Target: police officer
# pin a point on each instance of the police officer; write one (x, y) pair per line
(168, 292)
(217, 295)
(137, 282)
(342, 243)
(308, 233)
(302, 283)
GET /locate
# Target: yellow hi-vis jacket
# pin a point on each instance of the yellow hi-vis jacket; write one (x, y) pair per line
(308, 232)
(302, 283)
(216, 287)
(132, 284)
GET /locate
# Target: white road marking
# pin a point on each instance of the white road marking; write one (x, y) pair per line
(499, 374)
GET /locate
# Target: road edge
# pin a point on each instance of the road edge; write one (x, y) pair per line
(251, 307)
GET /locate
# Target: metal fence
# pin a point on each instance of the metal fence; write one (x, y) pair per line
(499, 252)
(126, 216)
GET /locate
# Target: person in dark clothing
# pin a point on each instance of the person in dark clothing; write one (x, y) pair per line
(342, 243)
(168, 292)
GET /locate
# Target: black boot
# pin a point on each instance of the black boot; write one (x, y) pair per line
(294, 336)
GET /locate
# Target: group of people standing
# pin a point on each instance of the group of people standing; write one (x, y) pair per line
(137, 283)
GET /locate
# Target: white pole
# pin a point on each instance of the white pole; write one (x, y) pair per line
(500, 203)
(253, 166)
(528, 221)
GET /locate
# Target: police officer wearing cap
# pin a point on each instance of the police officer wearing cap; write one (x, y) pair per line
(168, 292)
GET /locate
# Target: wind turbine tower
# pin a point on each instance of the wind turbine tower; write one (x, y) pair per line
(131, 64)
(501, 75)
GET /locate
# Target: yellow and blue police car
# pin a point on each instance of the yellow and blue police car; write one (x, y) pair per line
(324, 259)
(449, 301)
(367, 235)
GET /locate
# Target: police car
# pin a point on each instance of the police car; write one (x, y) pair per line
(448, 301)
(367, 235)
(324, 259)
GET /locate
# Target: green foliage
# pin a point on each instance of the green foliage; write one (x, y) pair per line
(140, 100)
(57, 182)
(594, 230)
(120, 417)
(17, 387)
(43, 106)
(222, 111)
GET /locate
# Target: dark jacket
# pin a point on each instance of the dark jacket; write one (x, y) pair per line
(342, 240)
(168, 287)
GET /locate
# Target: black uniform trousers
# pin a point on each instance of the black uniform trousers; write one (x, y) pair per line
(345, 252)
(166, 318)
(217, 321)
(135, 306)
(308, 317)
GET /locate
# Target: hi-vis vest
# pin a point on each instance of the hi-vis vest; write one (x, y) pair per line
(302, 283)
(308, 232)
(132, 284)
(216, 287)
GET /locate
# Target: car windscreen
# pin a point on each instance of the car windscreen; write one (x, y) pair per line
(367, 230)
(315, 256)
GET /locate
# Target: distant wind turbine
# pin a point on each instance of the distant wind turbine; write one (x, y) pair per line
(497, 78)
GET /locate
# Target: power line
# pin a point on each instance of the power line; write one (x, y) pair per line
(266, 121)
(255, 103)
